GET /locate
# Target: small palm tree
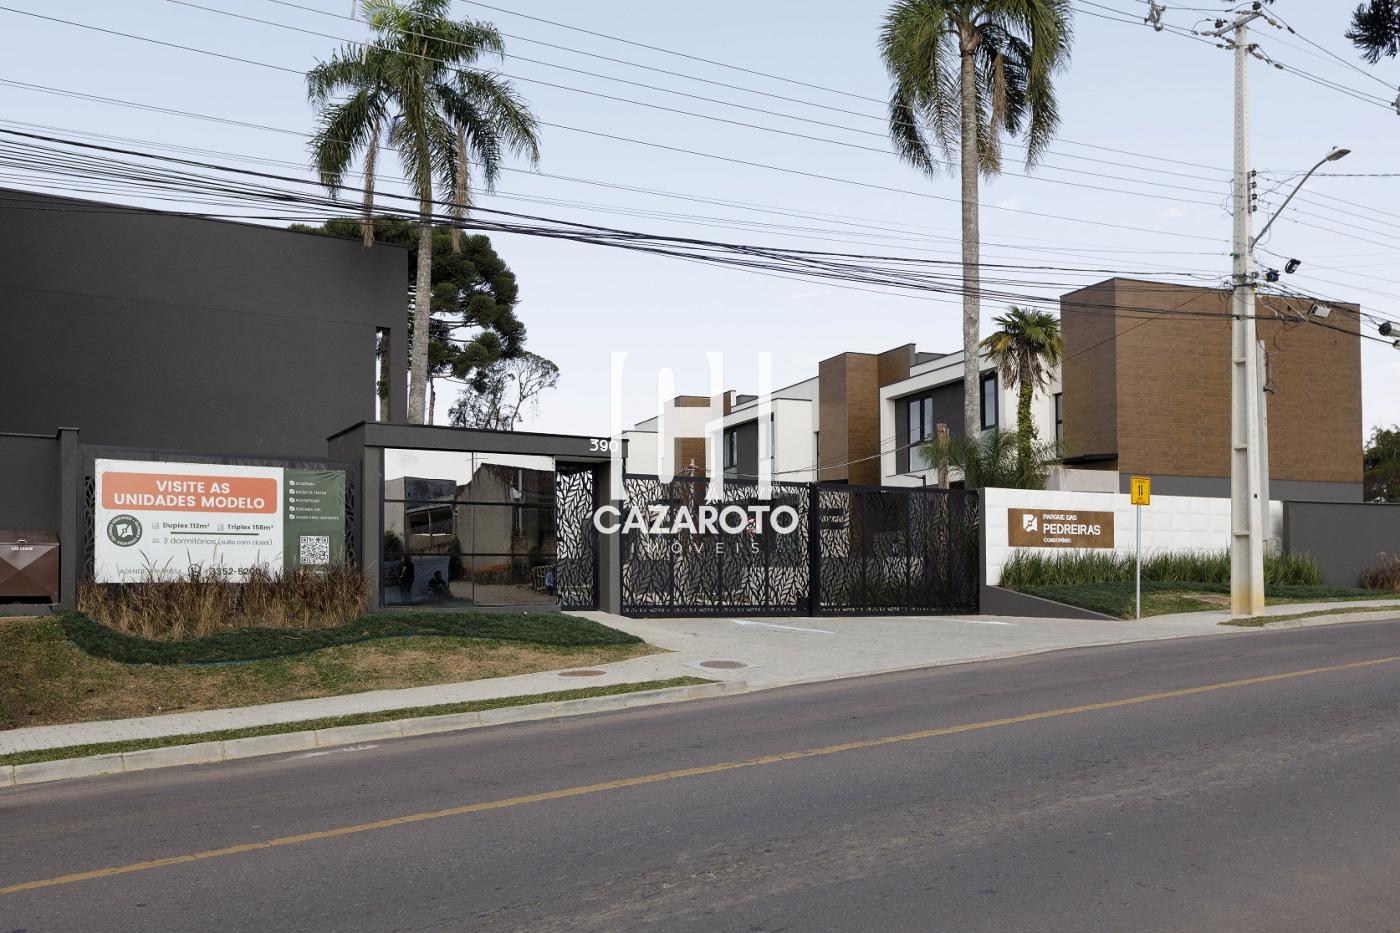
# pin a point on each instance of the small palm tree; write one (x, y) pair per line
(964, 72)
(992, 459)
(1026, 349)
(412, 87)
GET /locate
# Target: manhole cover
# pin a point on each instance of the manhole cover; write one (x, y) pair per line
(582, 673)
(723, 665)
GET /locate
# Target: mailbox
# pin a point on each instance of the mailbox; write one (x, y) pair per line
(29, 568)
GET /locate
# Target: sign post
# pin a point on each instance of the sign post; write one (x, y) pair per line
(1142, 495)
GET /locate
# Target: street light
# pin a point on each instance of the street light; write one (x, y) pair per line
(1332, 156)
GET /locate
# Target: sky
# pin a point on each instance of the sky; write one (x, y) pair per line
(1159, 106)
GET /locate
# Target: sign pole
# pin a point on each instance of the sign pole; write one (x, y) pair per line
(1138, 509)
(1141, 489)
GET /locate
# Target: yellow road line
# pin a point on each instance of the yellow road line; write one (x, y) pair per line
(660, 776)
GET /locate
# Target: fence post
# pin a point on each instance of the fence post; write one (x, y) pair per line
(814, 549)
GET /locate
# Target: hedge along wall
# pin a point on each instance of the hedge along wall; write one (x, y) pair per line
(1170, 523)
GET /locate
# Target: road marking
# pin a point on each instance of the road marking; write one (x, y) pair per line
(660, 776)
(786, 628)
(333, 751)
(982, 622)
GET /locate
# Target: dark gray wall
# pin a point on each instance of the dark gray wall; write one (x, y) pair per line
(1344, 537)
(748, 450)
(154, 330)
(30, 480)
(1218, 487)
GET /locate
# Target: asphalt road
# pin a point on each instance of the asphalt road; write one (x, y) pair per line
(1241, 783)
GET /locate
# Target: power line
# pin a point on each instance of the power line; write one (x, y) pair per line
(660, 107)
(593, 182)
(864, 115)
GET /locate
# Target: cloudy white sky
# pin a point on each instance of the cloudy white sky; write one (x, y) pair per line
(1154, 96)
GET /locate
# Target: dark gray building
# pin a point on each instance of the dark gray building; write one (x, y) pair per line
(164, 331)
(133, 334)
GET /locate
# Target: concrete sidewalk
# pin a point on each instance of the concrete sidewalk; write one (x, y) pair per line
(761, 652)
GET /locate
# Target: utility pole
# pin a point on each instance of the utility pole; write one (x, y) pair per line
(1247, 530)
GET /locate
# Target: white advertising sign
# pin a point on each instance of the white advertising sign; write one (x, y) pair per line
(161, 519)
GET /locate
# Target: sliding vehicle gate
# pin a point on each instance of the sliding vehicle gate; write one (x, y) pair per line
(854, 550)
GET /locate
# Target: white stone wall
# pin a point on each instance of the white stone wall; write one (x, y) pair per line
(1170, 523)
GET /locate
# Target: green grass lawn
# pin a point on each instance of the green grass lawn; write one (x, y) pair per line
(1158, 598)
(47, 676)
(473, 706)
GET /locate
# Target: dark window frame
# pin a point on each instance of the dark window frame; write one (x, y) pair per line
(990, 377)
(1059, 417)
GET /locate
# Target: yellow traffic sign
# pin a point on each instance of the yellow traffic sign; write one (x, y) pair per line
(1142, 490)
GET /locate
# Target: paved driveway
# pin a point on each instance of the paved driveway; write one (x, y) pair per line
(801, 650)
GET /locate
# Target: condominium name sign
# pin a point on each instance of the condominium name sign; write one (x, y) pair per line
(1059, 528)
(161, 519)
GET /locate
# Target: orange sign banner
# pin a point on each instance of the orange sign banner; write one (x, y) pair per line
(172, 492)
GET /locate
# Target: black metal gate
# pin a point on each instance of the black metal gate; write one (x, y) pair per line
(576, 540)
(850, 550)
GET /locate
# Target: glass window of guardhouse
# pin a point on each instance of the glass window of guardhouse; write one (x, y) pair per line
(468, 529)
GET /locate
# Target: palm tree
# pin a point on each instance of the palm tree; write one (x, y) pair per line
(964, 72)
(1026, 348)
(412, 87)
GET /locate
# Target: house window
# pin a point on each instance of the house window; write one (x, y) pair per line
(1059, 417)
(921, 426)
(989, 400)
(772, 437)
(731, 449)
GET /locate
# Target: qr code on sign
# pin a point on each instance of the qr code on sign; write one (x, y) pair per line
(315, 549)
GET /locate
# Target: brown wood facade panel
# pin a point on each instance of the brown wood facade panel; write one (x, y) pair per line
(1167, 361)
(1089, 374)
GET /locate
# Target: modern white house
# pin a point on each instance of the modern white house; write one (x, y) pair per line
(860, 420)
(912, 409)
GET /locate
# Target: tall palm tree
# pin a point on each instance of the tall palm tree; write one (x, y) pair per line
(412, 87)
(964, 72)
(1026, 348)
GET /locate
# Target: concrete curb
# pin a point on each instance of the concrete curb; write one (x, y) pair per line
(254, 746)
(1332, 619)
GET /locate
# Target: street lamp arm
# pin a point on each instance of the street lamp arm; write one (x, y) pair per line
(1332, 156)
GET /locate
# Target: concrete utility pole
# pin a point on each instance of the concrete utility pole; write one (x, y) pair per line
(1247, 531)
(1249, 456)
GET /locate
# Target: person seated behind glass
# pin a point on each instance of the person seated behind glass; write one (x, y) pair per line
(437, 586)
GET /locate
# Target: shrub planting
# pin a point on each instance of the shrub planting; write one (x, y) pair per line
(206, 601)
(1027, 569)
(1383, 573)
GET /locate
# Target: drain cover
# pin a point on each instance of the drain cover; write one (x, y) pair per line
(723, 665)
(581, 673)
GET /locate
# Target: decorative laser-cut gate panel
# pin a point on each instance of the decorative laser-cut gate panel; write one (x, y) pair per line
(690, 573)
(872, 550)
(576, 554)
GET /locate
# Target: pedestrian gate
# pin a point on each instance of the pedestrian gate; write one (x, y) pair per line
(851, 550)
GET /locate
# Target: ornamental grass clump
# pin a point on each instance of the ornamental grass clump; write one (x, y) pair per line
(205, 600)
(1383, 573)
(1027, 568)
